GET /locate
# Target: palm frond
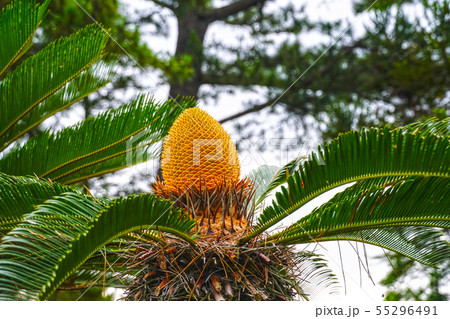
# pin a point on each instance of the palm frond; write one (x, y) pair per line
(431, 126)
(383, 216)
(355, 156)
(45, 73)
(62, 233)
(261, 178)
(20, 195)
(18, 20)
(105, 143)
(267, 178)
(315, 275)
(423, 244)
(89, 81)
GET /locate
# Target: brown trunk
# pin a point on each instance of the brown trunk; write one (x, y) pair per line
(191, 33)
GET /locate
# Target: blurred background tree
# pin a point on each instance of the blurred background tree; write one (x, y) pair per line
(396, 72)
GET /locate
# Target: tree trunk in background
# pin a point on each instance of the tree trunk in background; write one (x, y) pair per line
(191, 33)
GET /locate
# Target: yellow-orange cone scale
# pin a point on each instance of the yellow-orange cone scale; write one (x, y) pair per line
(198, 151)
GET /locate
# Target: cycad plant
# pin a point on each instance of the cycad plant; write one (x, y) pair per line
(201, 234)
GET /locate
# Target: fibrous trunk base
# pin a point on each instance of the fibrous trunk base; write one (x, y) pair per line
(214, 272)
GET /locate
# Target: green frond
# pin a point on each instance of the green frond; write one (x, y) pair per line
(261, 178)
(89, 81)
(315, 275)
(146, 148)
(18, 20)
(20, 195)
(62, 233)
(354, 156)
(399, 217)
(145, 236)
(431, 126)
(423, 244)
(110, 141)
(267, 178)
(45, 73)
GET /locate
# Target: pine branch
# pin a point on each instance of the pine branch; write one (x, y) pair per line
(164, 5)
(304, 83)
(253, 109)
(231, 9)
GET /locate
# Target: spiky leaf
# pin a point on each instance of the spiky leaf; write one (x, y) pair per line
(62, 233)
(20, 195)
(355, 156)
(108, 142)
(267, 178)
(45, 73)
(18, 20)
(89, 81)
(386, 216)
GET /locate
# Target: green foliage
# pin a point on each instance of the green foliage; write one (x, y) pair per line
(97, 145)
(61, 218)
(55, 236)
(68, 16)
(407, 270)
(47, 72)
(380, 215)
(70, 227)
(66, 230)
(19, 21)
(89, 81)
(357, 156)
(261, 178)
(395, 72)
(135, 57)
(64, 72)
(267, 178)
(398, 281)
(20, 195)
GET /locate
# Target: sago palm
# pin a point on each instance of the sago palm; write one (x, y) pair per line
(201, 234)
